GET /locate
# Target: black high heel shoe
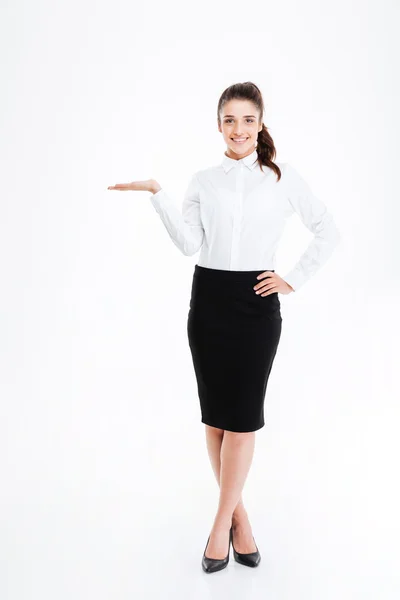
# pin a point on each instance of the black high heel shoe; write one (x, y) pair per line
(252, 559)
(210, 565)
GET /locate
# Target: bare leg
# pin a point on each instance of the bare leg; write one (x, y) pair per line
(214, 439)
(231, 455)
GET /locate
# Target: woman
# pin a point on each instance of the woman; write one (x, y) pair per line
(236, 212)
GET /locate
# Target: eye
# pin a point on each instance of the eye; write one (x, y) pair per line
(251, 120)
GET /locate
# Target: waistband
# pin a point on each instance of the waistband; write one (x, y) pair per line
(227, 274)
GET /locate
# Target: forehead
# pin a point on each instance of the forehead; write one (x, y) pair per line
(239, 108)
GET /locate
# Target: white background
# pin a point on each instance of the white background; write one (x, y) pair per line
(107, 489)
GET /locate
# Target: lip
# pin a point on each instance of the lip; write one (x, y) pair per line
(241, 142)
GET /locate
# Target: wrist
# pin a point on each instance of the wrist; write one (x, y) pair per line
(288, 284)
(155, 187)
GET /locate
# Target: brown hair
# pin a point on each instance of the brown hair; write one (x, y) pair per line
(265, 145)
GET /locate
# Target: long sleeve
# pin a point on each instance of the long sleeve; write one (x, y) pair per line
(315, 216)
(184, 227)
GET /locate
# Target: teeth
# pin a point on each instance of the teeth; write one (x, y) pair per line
(239, 139)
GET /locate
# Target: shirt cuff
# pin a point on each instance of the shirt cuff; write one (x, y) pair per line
(295, 279)
(157, 194)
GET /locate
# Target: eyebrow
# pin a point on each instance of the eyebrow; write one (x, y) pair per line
(245, 116)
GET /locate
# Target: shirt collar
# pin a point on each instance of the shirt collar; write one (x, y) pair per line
(249, 161)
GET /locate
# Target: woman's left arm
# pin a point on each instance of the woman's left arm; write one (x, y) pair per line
(316, 217)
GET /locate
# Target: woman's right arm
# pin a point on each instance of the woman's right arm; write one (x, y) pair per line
(184, 227)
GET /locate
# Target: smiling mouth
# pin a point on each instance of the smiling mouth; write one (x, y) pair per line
(239, 140)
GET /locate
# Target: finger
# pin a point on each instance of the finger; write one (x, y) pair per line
(259, 286)
(265, 274)
(264, 288)
(272, 290)
(267, 289)
(119, 186)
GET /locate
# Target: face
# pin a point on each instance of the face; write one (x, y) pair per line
(239, 127)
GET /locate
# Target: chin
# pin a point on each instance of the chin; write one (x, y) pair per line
(240, 149)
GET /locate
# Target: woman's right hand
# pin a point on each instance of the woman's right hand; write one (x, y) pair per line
(150, 185)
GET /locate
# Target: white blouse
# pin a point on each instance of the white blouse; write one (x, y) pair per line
(236, 213)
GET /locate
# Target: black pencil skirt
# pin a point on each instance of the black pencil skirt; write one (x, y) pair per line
(233, 338)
